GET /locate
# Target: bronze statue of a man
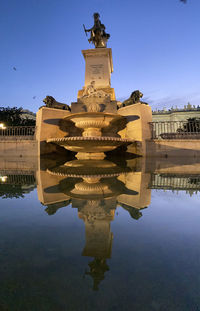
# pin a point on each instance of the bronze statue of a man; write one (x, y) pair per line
(98, 36)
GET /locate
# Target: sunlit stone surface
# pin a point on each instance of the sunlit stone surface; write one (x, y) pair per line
(95, 124)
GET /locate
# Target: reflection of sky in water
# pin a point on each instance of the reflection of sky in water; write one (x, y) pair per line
(154, 263)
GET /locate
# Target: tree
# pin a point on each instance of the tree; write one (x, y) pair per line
(13, 117)
(192, 125)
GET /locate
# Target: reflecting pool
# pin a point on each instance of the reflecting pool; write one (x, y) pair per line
(100, 235)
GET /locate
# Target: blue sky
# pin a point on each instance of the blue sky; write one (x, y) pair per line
(155, 45)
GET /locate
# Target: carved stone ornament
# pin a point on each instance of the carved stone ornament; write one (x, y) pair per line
(91, 91)
(93, 107)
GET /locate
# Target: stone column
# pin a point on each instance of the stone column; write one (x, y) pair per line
(98, 68)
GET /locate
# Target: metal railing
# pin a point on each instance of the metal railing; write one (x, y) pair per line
(17, 179)
(17, 131)
(175, 129)
(175, 182)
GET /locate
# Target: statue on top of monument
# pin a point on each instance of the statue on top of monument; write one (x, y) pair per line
(98, 36)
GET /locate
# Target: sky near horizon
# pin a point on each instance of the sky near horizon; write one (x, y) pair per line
(155, 46)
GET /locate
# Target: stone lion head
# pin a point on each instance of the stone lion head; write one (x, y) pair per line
(136, 95)
(49, 100)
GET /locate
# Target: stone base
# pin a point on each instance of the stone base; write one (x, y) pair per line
(48, 126)
(47, 182)
(108, 90)
(137, 181)
(98, 67)
(90, 155)
(137, 128)
(85, 104)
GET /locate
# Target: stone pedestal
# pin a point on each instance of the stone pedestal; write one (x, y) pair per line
(98, 238)
(47, 126)
(98, 68)
(48, 188)
(136, 181)
(138, 127)
(97, 215)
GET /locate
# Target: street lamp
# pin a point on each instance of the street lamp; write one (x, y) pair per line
(3, 178)
(2, 126)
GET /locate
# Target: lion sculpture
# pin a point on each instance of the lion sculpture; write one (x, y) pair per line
(50, 102)
(133, 99)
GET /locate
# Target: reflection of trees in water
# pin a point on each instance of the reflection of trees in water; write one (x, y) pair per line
(16, 186)
(13, 191)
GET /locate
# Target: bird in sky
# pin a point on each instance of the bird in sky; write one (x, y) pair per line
(184, 1)
(34, 97)
(14, 68)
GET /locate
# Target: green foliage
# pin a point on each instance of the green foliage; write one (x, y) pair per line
(192, 125)
(11, 191)
(13, 117)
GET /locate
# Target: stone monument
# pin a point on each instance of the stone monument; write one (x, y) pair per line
(96, 123)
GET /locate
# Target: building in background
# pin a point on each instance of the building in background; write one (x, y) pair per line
(176, 114)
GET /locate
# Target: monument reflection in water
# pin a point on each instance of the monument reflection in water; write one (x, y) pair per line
(97, 187)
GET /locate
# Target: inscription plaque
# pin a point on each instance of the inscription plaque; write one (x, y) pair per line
(96, 71)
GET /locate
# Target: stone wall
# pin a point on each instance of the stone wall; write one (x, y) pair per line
(17, 165)
(173, 148)
(18, 148)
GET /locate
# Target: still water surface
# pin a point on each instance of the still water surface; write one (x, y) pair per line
(136, 247)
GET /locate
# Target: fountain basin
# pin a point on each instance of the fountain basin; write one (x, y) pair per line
(91, 180)
(92, 122)
(88, 169)
(90, 147)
